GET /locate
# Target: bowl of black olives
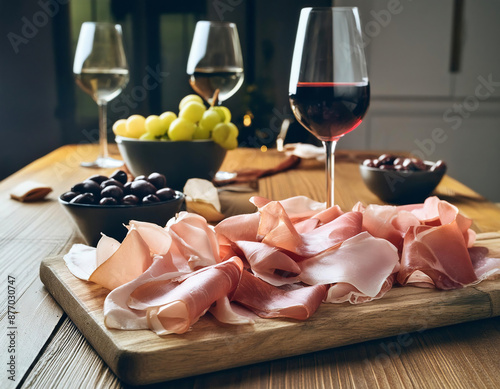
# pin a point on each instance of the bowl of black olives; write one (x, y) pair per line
(401, 180)
(103, 204)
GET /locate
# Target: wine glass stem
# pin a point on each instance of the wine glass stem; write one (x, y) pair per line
(103, 132)
(330, 171)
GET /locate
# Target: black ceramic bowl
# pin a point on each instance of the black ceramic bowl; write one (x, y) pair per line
(91, 219)
(403, 187)
(178, 161)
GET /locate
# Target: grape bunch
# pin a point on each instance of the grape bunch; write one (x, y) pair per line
(117, 190)
(194, 121)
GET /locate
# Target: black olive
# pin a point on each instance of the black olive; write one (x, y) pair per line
(158, 180)
(119, 176)
(68, 196)
(149, 199)
(165, 194)
(98, 178)
(386, 159)
(87, 186)
(126, 188)
(84, 198)
(368, 162)
(140, 178)
(112, 191)
(111, 181)
(108, 201)
(142, 188)
(439, 165)
(130, 200)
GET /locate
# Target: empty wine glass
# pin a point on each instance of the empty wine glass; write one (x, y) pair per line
(329, 89)
(215, 61)
(101, 70)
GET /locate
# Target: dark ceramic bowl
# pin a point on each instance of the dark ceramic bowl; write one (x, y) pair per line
(178, 161)
(405, 187)
(91, 220)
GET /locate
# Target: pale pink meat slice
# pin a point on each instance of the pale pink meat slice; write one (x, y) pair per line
(128, 262)
(239, 227)
(270, 264)
(173, 307)
(298, 207)
(342, 292)
(117, 314)
(363, 261)
(157, 238)
(439, 252)
(268, 301)
(195, 239)
(278, 230)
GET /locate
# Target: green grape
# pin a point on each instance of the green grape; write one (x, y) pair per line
(148, 136)
(231, 143)
(155, 126)
(167, 118)
(136, 126)
(201, 133)
(210, 119)
(189, 98)
(120, 127)
(224, 113)
(225, 134)
(181, 129)
(192, 111)
(233, 130)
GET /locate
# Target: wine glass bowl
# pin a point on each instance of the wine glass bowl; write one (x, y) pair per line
(100, 69)
(215, 61)
(329, 89)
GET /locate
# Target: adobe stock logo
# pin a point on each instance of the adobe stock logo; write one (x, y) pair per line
(30, 28)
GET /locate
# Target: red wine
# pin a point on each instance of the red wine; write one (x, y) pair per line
(330, 109)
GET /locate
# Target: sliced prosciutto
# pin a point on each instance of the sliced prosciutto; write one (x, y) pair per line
(269, 301)
(363, 261)
(277, 229)
(438, 252)
(342, 292)
(270, 264)
(127, 262)
(174, 306)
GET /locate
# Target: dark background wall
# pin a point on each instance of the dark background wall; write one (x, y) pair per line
(42, 109)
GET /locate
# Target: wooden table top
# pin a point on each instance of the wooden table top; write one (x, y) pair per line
(50, 351)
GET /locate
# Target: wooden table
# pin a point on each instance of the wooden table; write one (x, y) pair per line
(51, 352)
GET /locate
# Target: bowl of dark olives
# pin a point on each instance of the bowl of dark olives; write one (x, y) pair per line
(401, 180)
(103, 205)
(178, 161)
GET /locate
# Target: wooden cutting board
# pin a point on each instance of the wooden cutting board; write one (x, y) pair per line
(142, 357)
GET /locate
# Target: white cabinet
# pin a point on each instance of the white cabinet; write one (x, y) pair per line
(417, 85)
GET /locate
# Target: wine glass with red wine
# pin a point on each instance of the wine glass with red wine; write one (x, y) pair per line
(329, 89)
(100, 69)
(215, 60)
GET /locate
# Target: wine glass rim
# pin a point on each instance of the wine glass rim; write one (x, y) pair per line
(217, 23)
(313, 9)
(102, 23)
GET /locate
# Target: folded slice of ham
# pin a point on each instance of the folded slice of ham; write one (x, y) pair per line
(269, 301)
(440, 252)
(298, 207)
(270, 264)
(174, 306)
(128, 262)
(277, 229)
(195, 239)
(363, 261)
(342, 292)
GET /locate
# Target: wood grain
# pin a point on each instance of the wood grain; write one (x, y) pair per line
(53, 350)
(141, 357)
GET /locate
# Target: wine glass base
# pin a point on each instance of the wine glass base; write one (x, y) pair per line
(105, 162)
